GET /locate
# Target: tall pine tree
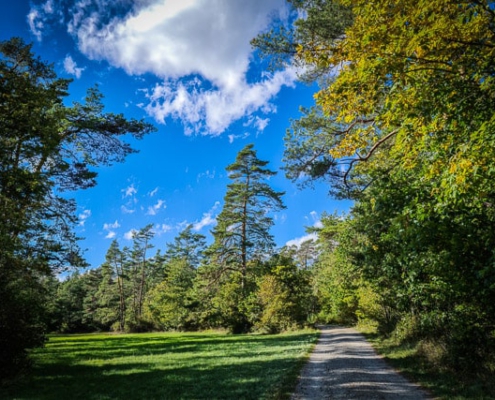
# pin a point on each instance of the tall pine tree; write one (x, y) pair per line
(243, 228)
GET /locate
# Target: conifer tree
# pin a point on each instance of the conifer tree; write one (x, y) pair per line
(243, 229)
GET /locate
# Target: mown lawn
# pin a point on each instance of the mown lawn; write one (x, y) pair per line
(165, 366)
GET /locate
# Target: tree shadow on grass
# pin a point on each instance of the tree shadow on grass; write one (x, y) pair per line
(161, 367)
(250, 380)
(122, 346)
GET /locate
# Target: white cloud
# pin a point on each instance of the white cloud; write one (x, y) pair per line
(298, 241)
(160, 229)
(36, 23)
(110, 235)
(126, 210)
(152, 210)
(234, 137)
(129, 191)
(38, 17)
(84, 216)
(71, 67)
(259, 123)
(153, 192)
(129, 234)
(115, 225)
(314, 219)
(207, 174)
(110, 228)
(208, 218)
(200, 49)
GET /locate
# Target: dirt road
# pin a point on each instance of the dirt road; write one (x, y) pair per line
(345, 366)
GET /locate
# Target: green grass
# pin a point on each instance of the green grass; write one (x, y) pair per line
(441, 383)
(165, 366)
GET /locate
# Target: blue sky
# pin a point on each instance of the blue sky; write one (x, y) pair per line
(187, 67)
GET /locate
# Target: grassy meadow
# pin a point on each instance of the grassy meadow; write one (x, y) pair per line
(165, 366)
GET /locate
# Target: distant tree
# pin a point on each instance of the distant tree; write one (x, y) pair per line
(71, 297)
(46, 148)
(169, 303)
(242, 235)
(243, 226)
(106, 298)
(116, 260)
(187, 246)
(139, 271)
(285, 298)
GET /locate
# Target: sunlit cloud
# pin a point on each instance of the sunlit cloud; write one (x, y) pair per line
(110, 229)
(71, 67)
(208, 219)
(199, 49)
(153, 210)
(129, 191)
(298, 241)
(83, 217)
(130, 234)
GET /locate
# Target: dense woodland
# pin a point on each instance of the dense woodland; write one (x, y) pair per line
(403, 124)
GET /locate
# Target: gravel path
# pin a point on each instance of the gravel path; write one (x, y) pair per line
(343, 365)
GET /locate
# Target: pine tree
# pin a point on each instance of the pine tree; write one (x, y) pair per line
(243, 226)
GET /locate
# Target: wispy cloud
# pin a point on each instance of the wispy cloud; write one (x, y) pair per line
(83, 217)
(314, 219)
(209, 218)
(153, 192)
(152, 210)
(298, 241)
(38, 17)
(129, 234)
(234, 137)
(71, 67)
(126, 210)
(160, 229)
(207, 174)
(129, 191)
(110, 229)
(110, 235)
(199, 49)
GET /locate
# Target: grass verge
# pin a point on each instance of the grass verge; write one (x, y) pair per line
(165, 366)
(441, 383)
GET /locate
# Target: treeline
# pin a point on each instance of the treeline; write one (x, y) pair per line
(133, 292)
(239, 282)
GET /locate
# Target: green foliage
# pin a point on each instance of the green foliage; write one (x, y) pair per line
(285, 299)
(242, 231)
(241, 236)
(169, 303)
(405, 128)
(46, 148)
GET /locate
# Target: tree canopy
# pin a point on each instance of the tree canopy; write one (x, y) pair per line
(46, 148)
(403, 124)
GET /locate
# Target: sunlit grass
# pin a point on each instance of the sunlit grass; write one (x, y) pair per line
(166, 366)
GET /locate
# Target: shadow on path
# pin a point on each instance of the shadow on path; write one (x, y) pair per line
(344, 365)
